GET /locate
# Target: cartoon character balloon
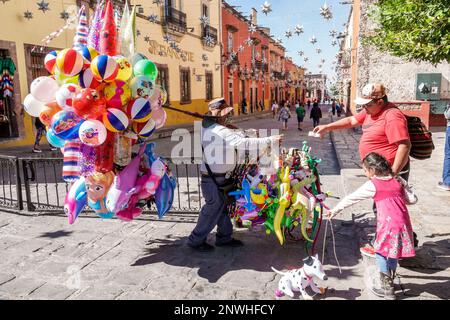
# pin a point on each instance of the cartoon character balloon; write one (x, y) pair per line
(97, 186)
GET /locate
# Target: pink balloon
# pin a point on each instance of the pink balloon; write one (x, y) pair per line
(160, 117)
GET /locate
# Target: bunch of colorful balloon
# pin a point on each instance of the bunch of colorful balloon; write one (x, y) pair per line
(97, 103)
(285, 200)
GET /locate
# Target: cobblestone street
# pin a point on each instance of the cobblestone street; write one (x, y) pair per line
(45, 258)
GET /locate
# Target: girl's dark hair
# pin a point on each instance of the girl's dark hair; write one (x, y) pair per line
(378, 164)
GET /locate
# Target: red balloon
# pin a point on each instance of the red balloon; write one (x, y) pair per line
(104, 154)
(89, 103)
(108, 34)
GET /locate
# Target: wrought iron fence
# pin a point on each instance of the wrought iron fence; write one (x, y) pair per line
(10, 179)
(36, 184)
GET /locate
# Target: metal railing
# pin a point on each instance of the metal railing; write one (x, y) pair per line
(36, 185)
(207, 30)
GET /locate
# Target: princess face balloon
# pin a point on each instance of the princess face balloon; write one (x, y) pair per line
(97, 187)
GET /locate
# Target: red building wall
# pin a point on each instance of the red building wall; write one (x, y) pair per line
(236, 85)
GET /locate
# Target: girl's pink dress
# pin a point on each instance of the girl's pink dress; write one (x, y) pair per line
(394, 231)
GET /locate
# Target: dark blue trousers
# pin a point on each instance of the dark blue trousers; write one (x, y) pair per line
(213, 213)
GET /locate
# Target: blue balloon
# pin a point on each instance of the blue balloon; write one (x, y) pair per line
(65, 125)
(54, 140)
(164, 195)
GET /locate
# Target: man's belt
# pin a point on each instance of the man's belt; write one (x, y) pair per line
(215, 175)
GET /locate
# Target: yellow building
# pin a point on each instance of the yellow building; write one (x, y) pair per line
(190, 66)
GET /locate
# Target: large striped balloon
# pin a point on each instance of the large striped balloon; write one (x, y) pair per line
(87, 80)
(88, 54)
(104, 68)
(69, 62)
(139, 110)
(50, 61)
(144, 130)
(115, 120)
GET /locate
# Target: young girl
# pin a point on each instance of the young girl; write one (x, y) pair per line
(394, 236)
(284, 116)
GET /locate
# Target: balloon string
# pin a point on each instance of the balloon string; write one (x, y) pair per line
(334, 245)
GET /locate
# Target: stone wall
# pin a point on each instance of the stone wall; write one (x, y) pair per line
(398, 75)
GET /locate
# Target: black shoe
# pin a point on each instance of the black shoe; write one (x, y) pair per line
(416, 241)
(204, 247)
(234, 243)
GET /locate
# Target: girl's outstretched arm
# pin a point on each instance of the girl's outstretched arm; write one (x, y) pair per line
(366, 191)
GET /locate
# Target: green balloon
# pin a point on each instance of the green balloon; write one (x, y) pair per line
(146, 68)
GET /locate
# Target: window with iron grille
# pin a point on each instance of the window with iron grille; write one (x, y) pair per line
(209, 85)
(163, 79)
(35, 56)
(185, 85)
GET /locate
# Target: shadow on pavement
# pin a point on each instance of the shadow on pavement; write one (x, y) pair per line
(56, 234)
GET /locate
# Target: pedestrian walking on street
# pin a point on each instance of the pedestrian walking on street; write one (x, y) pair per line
(275, 109)
(261, 105)
(338, 109)
(300, 111)
(445, 184)
(40, 131)
(244, 106)
(217, 174)
(394, 237)
(385, 131)
(316, 114)
(308, 103)
(284, 116)
(333, 107)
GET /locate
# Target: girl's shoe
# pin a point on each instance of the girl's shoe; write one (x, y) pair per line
(443, 186)
(37, 150)
(387, 287)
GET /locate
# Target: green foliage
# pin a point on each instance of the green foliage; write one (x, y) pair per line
(412, 29)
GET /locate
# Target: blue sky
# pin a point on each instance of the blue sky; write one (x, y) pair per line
(286, 14)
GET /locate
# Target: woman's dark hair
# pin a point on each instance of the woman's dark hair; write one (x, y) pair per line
(378, 164)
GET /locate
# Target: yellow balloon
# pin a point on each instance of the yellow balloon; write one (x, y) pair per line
(63, 79)
(125, 68)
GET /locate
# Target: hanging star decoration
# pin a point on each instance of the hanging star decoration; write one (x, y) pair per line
(266, 8)
(209, 41)
(152, 18)
(325, 11)
(288, 33)
(334, 43)
(318, 50)
(252, 28)
(249, 42)
(43, 6)
(322, 60)
(147, 39)
(233, 55)
(28, 15)
(313, 40)
(305, 59)
(301, 53)
(204, 20)
(204, 57)
(333, 33)
(241, 48)
(138, 33)
(167, 38)
(299, 29)
(280, 41)
(64, 15)
(157, 2)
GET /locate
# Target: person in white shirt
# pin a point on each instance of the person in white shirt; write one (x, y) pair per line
(275, 109)
(220, 144)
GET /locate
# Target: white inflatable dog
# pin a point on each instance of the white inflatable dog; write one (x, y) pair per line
(300, 279)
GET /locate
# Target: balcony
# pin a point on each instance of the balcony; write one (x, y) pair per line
(175, 21)
(212, 33)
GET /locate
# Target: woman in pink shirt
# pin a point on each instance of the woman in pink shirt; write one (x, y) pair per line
(394, 237)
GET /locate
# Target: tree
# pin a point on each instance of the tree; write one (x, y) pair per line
(412, 29)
